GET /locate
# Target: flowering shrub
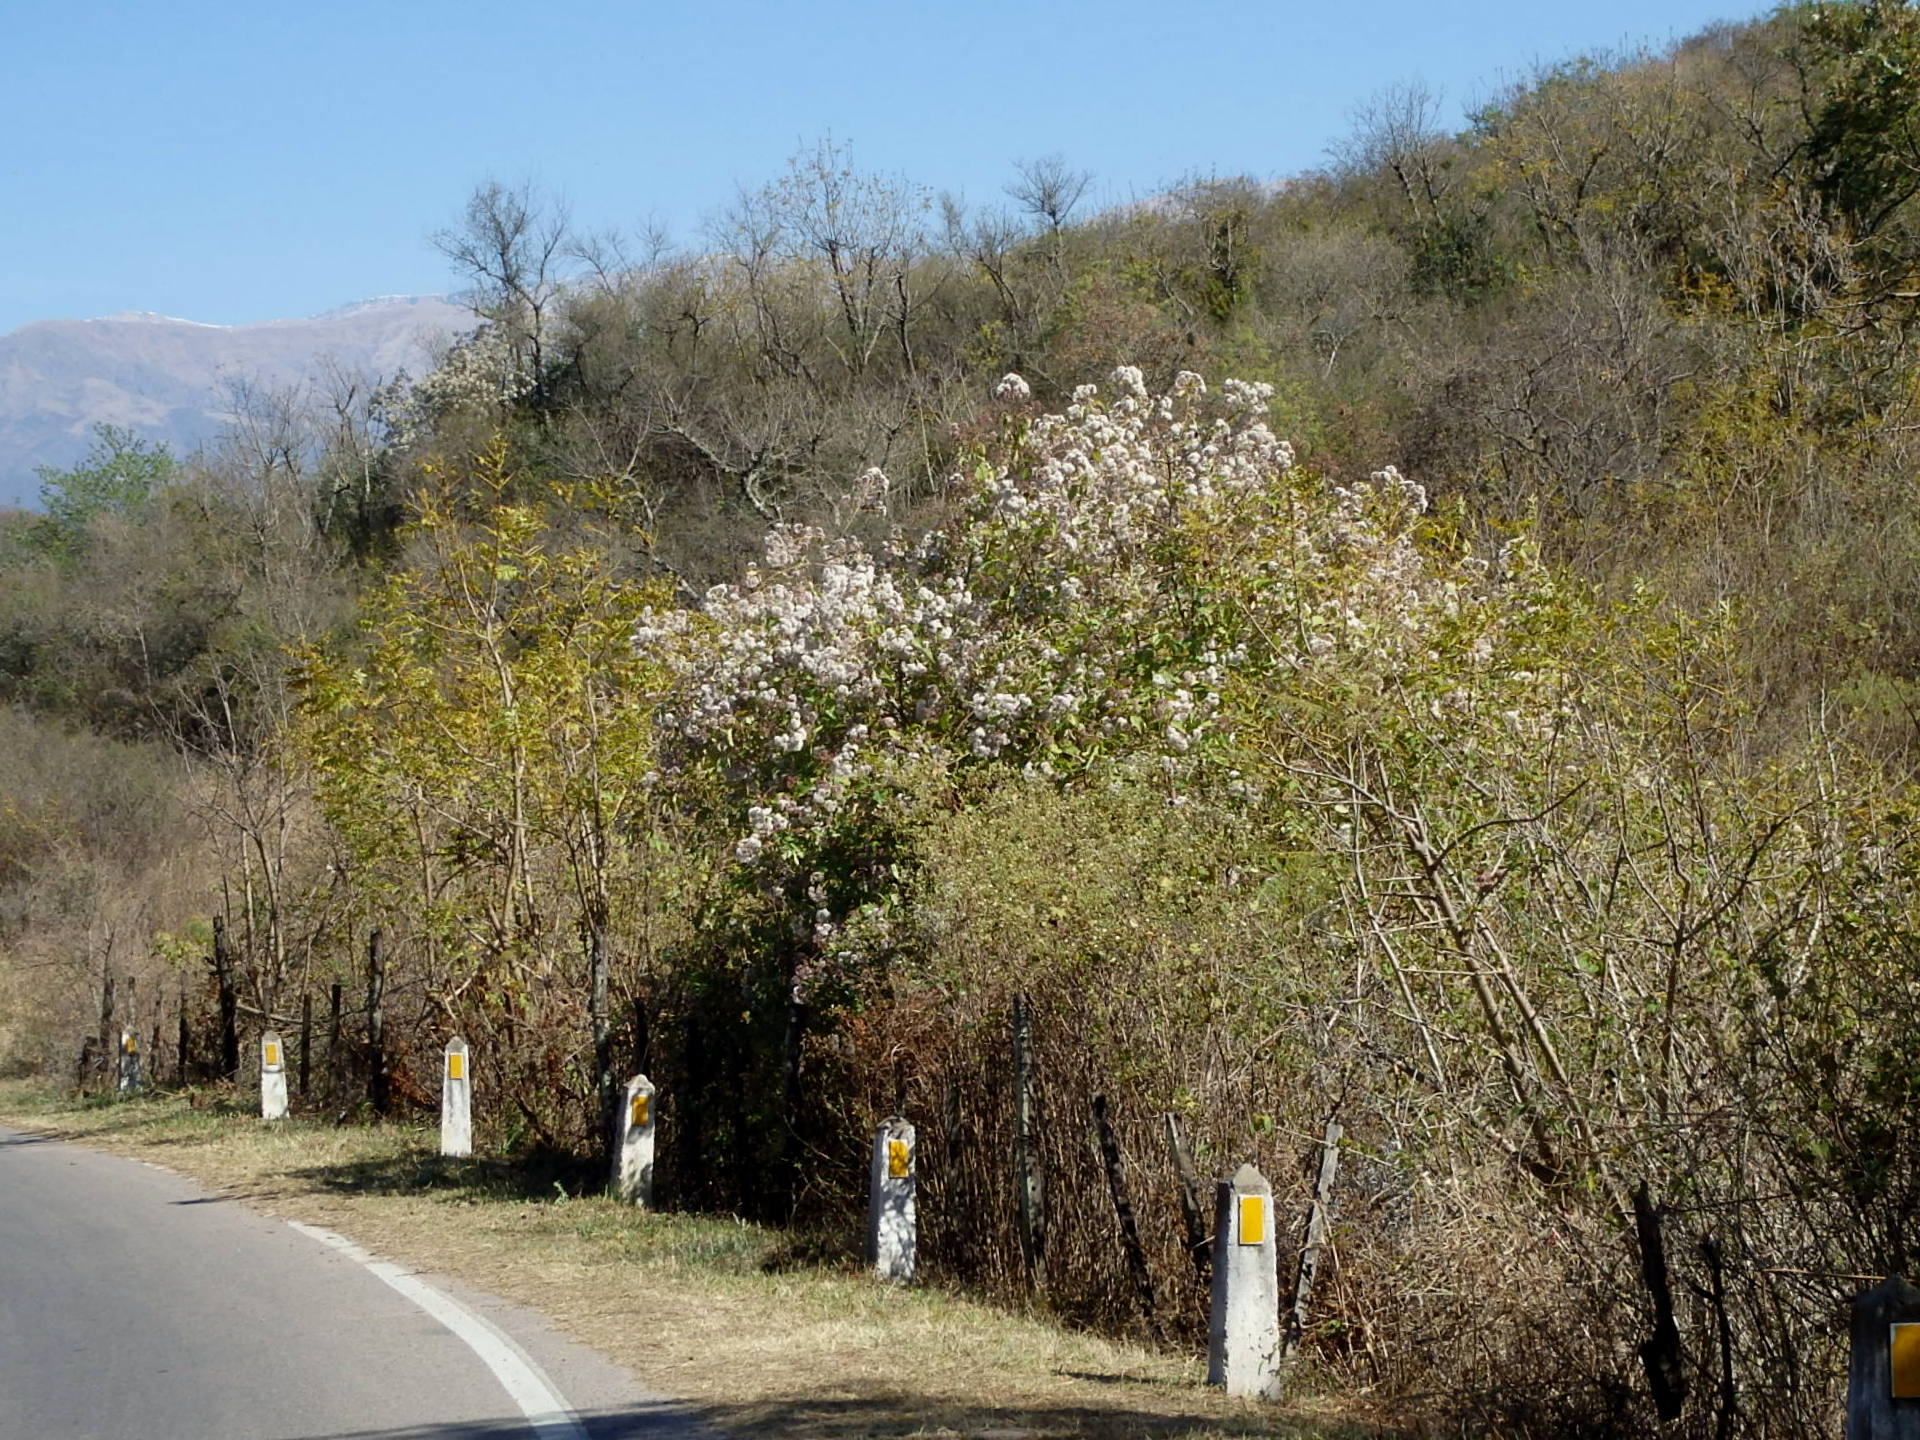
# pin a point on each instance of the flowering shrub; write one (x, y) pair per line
(1108, 574)
(480, 372)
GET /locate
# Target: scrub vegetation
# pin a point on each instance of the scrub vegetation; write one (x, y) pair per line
(1429, 645)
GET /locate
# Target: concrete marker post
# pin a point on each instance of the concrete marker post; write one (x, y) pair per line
(273, 1077)
(892, 1224)
(1883, 1373)
(1243, 1339)
(456, 1100)
(129, 1062)
(633, 1143)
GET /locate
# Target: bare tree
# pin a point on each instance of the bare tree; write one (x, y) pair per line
(612, 259)
(990, 241)
(1049, 189)
(862, 234)
(1397, 131)
(513, 244)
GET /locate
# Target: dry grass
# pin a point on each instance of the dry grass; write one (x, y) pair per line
(760, 1336)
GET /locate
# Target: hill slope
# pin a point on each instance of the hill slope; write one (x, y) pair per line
(165, 379)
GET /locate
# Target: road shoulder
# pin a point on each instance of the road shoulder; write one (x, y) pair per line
(752, 1338)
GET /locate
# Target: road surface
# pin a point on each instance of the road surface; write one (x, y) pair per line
(135, 1306)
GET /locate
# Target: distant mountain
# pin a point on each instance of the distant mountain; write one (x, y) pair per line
(165, 379)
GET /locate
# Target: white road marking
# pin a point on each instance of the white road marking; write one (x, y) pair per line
(548, 1415)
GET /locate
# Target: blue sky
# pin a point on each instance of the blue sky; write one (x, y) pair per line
(229, 162)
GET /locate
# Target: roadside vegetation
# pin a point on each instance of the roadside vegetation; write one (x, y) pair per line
(758, 1330)
(1429, 645)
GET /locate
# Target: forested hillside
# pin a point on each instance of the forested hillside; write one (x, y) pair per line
(1429, 645)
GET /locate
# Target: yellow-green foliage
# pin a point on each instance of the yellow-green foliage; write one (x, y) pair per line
(483, 751)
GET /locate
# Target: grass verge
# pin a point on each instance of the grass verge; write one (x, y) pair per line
(724, 1315)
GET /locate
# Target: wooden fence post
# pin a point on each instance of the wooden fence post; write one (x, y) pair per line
(1123, 1210)
(183, 1059)
(377, 1085)
(607, 1126)
(333, 1042)
(105, 1045)
(229, 1001)
(1192, 1219)
(1317, 1219)
(1031, 1183)
(1661, 1355)
(306, 1044)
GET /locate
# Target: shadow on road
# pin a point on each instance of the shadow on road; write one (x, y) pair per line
(900, 1413)
(897, 1414)
(639, 1422)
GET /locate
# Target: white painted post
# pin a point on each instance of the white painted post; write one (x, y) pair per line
(633, 1144)
(892, 1226)
(1243, 1342)
(129, 1062)
(456, 1100)
(273, 1077)
(1883, 1377)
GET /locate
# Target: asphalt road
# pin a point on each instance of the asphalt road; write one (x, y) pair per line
(134, 1306)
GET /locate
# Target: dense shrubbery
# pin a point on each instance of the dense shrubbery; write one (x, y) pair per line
(762, 665)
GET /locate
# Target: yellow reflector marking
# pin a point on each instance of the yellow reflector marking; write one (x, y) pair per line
(639, 1110)
(1905, 1345)
(897, 1159)
(1253, 1219)
(456, 1066)
(273, 1054)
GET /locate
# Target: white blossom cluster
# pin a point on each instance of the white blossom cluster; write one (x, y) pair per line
(482, 370)
(1110, 571)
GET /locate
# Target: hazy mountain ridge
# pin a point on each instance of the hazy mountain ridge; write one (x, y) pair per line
(165, 378)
